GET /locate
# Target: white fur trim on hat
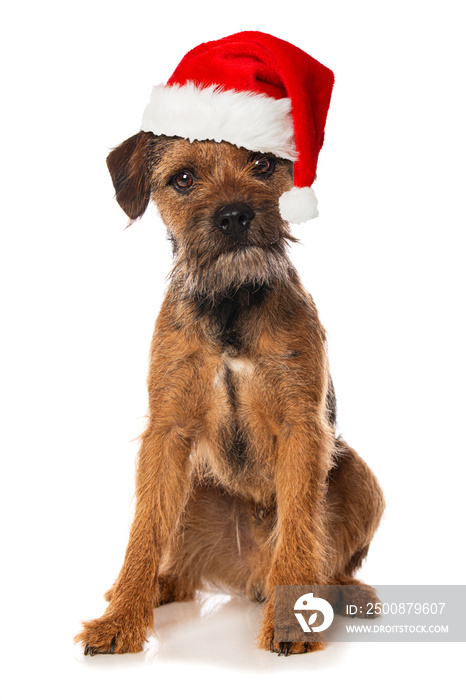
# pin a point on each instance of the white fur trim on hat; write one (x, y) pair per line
(251, 120)
(298, 205)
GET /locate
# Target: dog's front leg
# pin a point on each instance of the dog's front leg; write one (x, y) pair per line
(303, 461)
(162, 486)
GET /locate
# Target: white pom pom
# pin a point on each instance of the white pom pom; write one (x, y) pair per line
(298, 205)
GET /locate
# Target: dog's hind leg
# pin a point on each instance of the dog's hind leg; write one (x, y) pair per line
(355, 505)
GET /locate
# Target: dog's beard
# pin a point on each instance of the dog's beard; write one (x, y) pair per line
(244, 265)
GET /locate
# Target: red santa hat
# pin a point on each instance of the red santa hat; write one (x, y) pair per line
(252, 90)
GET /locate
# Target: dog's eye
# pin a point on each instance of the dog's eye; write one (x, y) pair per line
(183, 181)
(264, 165)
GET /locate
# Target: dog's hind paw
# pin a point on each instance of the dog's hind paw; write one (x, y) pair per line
(357, 600)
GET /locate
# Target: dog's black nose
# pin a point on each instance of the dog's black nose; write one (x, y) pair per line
(234, 218)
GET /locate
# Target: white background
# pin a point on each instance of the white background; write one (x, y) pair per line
(80, 294)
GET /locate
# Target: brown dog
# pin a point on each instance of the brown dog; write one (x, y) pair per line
(241, 480)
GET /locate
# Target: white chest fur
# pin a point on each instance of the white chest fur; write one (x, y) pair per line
(239, 367)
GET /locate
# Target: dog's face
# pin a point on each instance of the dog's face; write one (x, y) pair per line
(218, 202)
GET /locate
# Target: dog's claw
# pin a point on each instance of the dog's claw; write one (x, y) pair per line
(92, 651)
(284, 648)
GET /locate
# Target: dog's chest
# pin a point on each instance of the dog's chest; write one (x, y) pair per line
(229, 318)
(233, 385)
(229, 449)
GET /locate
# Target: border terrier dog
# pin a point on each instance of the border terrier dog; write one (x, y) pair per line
(242, 482)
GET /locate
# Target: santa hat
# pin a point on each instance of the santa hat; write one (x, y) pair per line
(256, 91)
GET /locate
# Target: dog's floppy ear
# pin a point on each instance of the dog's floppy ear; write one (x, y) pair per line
(128, 166)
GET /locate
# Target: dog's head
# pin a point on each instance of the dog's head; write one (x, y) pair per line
(218, 202)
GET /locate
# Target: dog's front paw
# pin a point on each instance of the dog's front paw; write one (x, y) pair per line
(111, 634)
(288, 648)
(283, 647)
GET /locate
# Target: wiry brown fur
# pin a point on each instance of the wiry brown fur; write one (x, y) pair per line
(241, 479)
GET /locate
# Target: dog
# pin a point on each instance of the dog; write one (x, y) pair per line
(242, 481)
